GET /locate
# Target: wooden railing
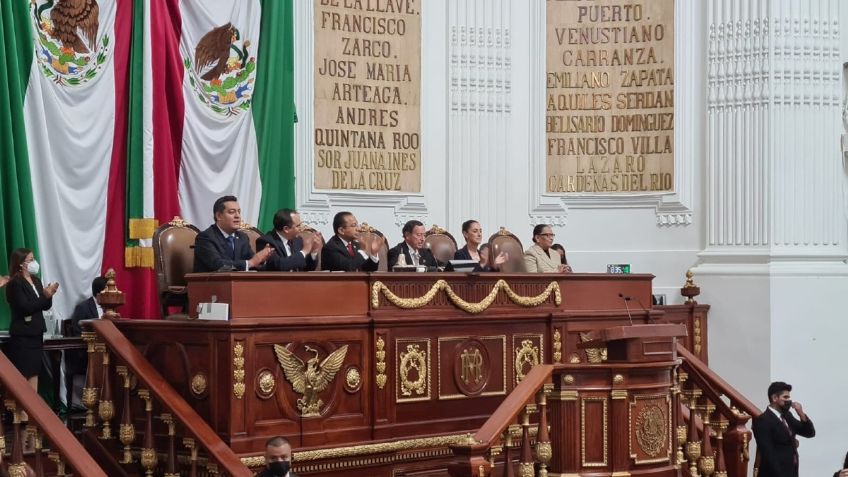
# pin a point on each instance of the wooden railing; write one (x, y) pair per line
(503, 437)
(715, 439)
(32, 419)
(154, 418)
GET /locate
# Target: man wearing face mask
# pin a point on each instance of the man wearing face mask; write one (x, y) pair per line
(775, 431)
(277, 459)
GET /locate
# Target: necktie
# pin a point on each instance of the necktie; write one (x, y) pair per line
(291, 246)
(350, 248)
(414, 257)
(232, 240)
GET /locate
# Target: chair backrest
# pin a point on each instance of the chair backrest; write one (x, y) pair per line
(504, 241)
(368, 233)
(306, 233)
(252, 234)
(441, 243)
(173, 253)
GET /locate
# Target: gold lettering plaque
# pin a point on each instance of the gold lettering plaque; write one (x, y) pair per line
(367, 132)
(609, 125)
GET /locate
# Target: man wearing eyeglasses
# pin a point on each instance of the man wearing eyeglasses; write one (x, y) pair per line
(540, 257)
(343, 253)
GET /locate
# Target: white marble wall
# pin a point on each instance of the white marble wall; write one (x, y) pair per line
(773, 265)
(760, 203)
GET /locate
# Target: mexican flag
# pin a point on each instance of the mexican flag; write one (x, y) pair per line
(117, 115)
(62, 121)
(217, 111)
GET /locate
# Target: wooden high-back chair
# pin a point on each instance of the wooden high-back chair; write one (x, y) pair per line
(252, 234)
(504, 241)
(173, 257)
(441, 243)
(368, 233)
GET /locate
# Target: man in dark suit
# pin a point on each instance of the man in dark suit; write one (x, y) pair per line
(291, 252)
(412, 248)
(277, 459)
(343, 253)
(222, 247)
(775, 430)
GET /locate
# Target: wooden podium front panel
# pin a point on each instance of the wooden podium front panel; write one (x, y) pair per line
(344, 410)
(281, 294)
(473, 354)
(469, 371)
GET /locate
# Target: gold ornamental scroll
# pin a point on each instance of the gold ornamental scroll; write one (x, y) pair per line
(367, 77)
(609, 99)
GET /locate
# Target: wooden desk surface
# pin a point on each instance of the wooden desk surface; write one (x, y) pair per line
(328, 294)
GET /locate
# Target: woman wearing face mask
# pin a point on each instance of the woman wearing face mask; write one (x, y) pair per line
(27, 299)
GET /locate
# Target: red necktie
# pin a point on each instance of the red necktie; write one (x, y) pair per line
(350, 248)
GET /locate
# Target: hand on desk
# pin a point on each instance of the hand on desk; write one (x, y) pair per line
(564, 268)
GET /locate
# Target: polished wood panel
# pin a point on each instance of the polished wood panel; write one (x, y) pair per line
(387, 348)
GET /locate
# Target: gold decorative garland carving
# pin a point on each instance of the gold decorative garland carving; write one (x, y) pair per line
(394, 447)
(238, 370)
(527, 354)
(381, 363)
(468, 307)
(415, 359)
(557, 346)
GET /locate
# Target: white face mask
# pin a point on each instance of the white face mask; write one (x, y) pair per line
(33, 267)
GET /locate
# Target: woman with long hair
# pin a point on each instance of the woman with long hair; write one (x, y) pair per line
(473, 250)
(28, 300)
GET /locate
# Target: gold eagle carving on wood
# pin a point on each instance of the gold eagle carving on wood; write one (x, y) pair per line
(310, 378)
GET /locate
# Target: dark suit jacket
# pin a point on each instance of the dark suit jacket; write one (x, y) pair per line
(425, 256)
(76, 360)
(464, 254)
(212, 251)
(279, 261)
(776, 444)
(334, 256)
(23, 302)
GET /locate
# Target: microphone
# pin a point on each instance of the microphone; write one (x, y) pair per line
(626, 307)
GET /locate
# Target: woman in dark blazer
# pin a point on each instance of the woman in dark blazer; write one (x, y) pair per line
(28, 300)
(473, 234)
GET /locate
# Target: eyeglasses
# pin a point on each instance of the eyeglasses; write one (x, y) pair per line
(548, 235)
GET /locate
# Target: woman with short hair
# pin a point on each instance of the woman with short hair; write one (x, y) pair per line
(541, 257)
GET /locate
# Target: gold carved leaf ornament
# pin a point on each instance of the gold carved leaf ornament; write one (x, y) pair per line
(310, 378)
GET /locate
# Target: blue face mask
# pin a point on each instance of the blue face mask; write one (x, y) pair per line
(280, 468)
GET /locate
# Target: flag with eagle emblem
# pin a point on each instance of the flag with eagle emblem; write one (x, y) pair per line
(64, 129)
(118, 115)
(217, 112)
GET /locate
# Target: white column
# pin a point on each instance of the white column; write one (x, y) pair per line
(480, 107)
(773, 267)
